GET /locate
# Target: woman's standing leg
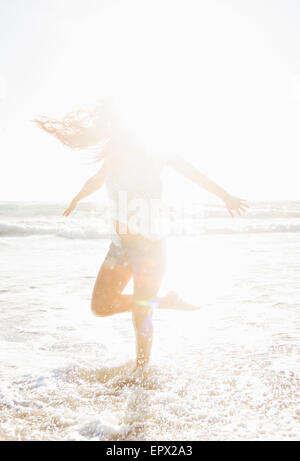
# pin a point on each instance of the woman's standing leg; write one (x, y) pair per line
(148, 269)
(144, 301)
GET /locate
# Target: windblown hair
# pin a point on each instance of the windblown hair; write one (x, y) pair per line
(80, 129)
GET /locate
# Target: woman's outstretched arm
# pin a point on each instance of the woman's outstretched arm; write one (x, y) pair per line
(193, 174)
(92, 185)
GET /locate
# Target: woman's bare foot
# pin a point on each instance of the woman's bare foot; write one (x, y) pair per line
(140, 370)
(173, 301)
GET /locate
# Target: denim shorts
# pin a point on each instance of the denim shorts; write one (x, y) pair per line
(144, 257)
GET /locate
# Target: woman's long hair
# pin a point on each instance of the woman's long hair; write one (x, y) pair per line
(81, 129)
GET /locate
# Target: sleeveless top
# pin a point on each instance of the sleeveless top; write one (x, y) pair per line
(134, 185)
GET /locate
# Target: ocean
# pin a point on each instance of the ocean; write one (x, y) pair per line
(229, 371)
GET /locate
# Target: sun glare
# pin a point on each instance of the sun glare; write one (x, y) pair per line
(176, 85)
(98, 237)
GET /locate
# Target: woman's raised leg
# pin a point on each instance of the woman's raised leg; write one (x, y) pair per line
(107, 298)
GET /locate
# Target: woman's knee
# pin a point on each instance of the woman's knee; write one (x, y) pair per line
(101, 306)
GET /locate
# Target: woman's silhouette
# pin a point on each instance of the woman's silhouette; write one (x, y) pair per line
(133, 180)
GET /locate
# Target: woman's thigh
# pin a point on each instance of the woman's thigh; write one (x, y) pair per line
(112, 278)
(147, 267)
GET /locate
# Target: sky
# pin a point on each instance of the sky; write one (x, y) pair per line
(215, 81)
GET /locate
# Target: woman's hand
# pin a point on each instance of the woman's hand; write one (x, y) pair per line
(235, 204)
(71, 207)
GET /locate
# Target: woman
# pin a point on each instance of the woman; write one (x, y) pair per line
(133, 180)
